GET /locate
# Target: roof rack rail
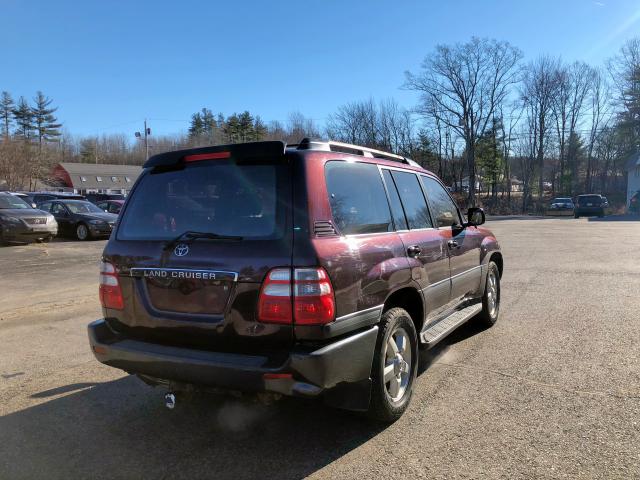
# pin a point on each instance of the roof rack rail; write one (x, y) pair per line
(331, 146)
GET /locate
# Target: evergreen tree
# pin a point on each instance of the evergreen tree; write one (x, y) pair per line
(23, 116)
(6, 112)
(246, 132)
(489, 154)
(259, 129)
(209, 124)
(196, 129)
(43, 119)
(232, 129)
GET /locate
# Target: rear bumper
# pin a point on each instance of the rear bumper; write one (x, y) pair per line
(306, 373)
(588, 211)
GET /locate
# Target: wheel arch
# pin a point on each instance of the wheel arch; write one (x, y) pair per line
(410, 299)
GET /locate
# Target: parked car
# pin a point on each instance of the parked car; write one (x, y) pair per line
(634, 203)
(561, 206)
(20, 222)
(99, 197)
(312, 270)
(80, 219)
(590, 205)
(26, 197)
(40, 197)
(111, 206)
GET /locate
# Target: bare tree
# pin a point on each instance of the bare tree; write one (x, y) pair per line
(539, 88)
(467, 82)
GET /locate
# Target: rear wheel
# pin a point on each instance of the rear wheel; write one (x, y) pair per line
(82, 232)
(491, 297)
(394, 366)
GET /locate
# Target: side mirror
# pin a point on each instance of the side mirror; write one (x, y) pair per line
(475, 217)
(33, 205)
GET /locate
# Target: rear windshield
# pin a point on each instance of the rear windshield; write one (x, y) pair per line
(594, 199)
(562, 200)
(221, 197)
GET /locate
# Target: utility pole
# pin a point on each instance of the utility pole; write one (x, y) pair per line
(147, 132)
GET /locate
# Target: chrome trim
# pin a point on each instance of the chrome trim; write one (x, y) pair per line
(226, 275)
(465, 272)
(359, 312)
(452, 277)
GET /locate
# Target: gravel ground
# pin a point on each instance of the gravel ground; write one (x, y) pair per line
(552, 391)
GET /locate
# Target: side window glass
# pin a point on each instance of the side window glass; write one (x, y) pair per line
(444, 210)
(45, 207)
(415, 206)
(358, 200)
(394, 202)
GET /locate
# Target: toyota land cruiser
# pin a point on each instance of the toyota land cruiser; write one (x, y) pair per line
(316, 269)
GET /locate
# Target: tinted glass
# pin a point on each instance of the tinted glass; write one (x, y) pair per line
(46, 206)
(444, 210)
(58, 209)
(592, 199)
(219, 197)
(358, 200)
(415, 206)
(394, 202)
(11, 202)
(81, 206)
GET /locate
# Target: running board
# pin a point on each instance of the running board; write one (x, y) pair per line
(444, 327)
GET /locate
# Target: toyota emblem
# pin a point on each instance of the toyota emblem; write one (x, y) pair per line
(181, 250)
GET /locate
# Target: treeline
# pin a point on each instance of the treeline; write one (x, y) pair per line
(485, 120)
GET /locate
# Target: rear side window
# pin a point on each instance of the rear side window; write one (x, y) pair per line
(222, 197)
(444, 210)
(394, 202)
(415, 205)
(358, 200)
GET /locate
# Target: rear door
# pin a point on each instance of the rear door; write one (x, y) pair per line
(425, 246)
(463, 244)
(204, 291)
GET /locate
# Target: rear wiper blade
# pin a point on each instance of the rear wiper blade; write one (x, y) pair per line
(193, 235)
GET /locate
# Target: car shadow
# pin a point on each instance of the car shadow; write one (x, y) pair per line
(528, 217)
(121, 429)
(616, 218)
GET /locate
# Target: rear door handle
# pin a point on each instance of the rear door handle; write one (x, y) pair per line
(453, 244)
(414, 251)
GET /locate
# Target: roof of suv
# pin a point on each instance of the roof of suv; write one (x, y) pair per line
(277, 148)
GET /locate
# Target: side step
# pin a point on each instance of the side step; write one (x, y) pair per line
(444, 327)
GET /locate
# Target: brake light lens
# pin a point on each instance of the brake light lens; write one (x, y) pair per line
(207, 156)
(310, 293)
(110, 291)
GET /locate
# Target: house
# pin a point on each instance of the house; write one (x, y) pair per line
(96, 177)
(633, 175)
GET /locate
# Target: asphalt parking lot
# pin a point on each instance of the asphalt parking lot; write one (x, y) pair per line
(552, 391)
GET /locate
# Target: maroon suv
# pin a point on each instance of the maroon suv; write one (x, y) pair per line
(316, 269)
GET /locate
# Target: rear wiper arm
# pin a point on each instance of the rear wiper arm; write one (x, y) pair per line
(193, 235)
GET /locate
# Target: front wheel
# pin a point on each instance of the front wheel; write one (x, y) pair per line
(82, 232)
(394, 366)
(491, 296)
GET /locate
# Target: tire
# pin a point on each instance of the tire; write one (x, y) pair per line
(491, 297)
(389, 399)
(82, 232)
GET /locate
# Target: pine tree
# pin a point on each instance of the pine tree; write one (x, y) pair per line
(259, 129)
(245, 127)
(489, 154)
(44, 120)
(23, 116)
(196, 129)
(6, 112)
(232, 129)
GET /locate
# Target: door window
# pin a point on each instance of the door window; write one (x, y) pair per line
(413, 201)
(58, 210)
(444, 210)
(394, 202)
(358, 200)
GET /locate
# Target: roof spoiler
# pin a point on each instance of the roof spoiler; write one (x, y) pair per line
(238, 151)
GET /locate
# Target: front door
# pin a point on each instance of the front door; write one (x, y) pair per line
(62, 216)
(426, 246)
(463, 244)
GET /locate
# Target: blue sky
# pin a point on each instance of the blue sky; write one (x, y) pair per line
(110, 64)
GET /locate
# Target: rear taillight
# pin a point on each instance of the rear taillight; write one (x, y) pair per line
(310, 293)
(110, 292)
